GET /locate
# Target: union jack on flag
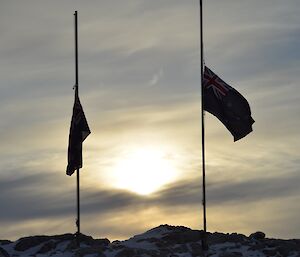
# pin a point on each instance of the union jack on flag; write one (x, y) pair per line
(211, 80)
(227, 104)
(79, 131)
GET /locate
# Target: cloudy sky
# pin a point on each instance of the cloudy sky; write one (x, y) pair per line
(140, 89)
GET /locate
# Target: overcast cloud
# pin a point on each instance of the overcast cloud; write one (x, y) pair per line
(140, 85)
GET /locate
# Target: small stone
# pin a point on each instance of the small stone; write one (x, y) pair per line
(258, 235)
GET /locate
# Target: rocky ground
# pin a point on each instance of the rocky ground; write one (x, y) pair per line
(162, 241)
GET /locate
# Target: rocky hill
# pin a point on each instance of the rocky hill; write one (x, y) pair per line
(162, 241)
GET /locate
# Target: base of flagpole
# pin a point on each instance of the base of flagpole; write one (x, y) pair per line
(77, 238)
(204, 244)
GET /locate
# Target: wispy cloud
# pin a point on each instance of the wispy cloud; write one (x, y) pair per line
(140, 85)
(156, 78)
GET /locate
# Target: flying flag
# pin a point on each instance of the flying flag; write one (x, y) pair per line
(79, 131)
(227, 104)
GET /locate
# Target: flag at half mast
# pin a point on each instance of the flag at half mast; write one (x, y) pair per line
(79, 131)
(227, 104)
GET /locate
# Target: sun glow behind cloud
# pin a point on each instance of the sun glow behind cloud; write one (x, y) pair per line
(143, 170)
(139, 80)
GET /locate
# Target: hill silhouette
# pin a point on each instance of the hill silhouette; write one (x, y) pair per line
(162, 241)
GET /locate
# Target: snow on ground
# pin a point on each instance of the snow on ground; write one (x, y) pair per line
(163, 241)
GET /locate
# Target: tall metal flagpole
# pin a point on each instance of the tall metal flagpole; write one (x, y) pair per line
(204, 240)
(76, 93)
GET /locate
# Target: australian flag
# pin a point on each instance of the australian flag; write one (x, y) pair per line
(79, 131)
(227, 104)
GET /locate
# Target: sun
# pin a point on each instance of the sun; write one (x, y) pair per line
(144, 171)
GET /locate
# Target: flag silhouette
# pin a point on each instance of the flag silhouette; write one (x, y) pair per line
(79, 131)
(227, 104)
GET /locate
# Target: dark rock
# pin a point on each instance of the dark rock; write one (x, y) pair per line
(148, 253)
(258, 235)
(89, 250)
(170, 228)
(5, 242)
(231, 254)
(72, 245)
(77, 243)
(181, 248)
(236, 238)
(196, 249)
(284, 251)
(291, 245)
(165, 251)
(26, 243)
(237, 254)
(127, 252)
(47, 247)
(271, 243)
(161, 244)
(101, 242)
(63, 237)
(150, 240)
(88, 240)
(258, 246)
(183, 237)
(269, 252)
(3, 253)
(219, 238)
(175, 241)
(117, 246)
(296, 241)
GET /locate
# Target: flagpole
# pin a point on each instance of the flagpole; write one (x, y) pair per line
(204, 240)
(76, 94)
(78, 204)
(76, 52)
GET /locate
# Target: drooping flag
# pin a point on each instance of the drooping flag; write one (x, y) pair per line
(79, 131)
(227, 104)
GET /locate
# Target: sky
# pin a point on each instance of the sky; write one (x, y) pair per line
(139, 84)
